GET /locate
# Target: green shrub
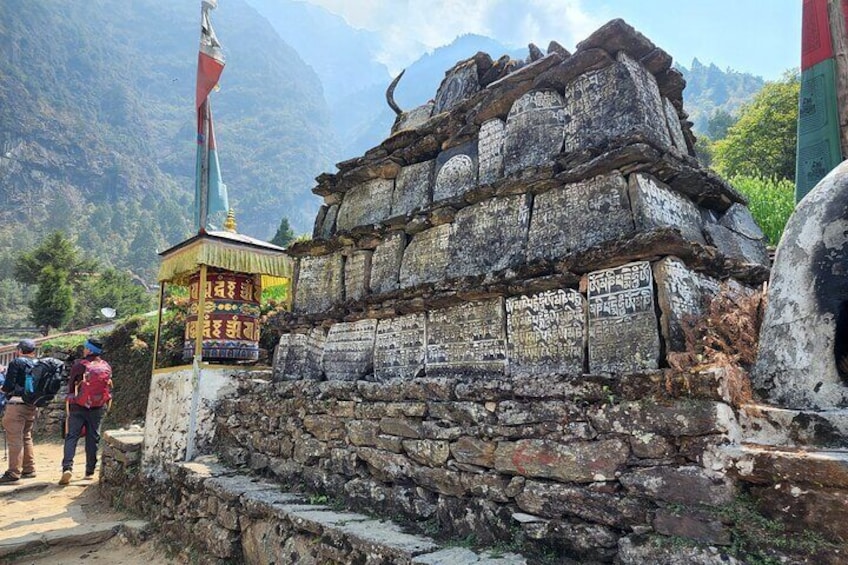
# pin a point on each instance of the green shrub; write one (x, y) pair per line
(771, 202)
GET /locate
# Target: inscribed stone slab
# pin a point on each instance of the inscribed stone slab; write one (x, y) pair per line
(385, 263)
(328, 226)
(546, 333)
(357, 274)
(619, 102)
(412, 188)
(736, 245)
(655, 206)
(426, 258)
(490, 151)
(291, 346)
(578, 216)
(319, 283)
(298, 356)
(534, 130)
(489, 236)
(459, 83)
(467, 339)
(367, 203)
(456, 172)
(623, 330)
(675, 130)
(681, 293)
(399, 347)
(349, 351)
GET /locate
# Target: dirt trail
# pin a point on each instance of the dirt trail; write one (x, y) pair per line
(51, 524)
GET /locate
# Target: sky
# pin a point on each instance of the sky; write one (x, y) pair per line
(761, 37)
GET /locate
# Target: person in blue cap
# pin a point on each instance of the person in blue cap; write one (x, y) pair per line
(19, 417)
(89, 398)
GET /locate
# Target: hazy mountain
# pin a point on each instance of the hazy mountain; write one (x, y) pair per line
(708, 89)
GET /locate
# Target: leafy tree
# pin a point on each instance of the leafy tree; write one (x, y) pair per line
(284, 234)
(53, 304)
(718, 124)
(112, 289)
(762, 142)
(58, 252)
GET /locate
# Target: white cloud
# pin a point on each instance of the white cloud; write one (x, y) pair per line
(409, 28)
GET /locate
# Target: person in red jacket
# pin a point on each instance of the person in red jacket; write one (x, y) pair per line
(89, 398)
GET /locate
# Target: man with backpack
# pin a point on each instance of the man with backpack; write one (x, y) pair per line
(89, 397)
(19, 417)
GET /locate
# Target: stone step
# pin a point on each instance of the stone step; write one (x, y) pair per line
(767, 464)
(76, 536)
(768, 425)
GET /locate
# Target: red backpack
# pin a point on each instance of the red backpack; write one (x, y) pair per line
(95, 388)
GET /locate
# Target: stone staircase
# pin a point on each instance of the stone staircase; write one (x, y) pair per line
(796, 463)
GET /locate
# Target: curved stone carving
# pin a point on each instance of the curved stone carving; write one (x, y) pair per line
(805, 323)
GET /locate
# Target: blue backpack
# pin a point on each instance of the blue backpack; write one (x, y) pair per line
(2, 395)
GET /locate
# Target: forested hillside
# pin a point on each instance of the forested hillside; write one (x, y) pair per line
(711, 91)
(97, 125)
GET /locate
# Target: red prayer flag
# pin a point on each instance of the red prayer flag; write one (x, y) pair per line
(816, 45)
(210, 59)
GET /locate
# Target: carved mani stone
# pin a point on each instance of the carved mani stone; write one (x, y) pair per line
(459, 83)
(426, 258)
(399, 347)
(678, 140)
(613, 105)
(534, 130)
(298, 356)
(490, 143)
(489, 236)
(655, 206)
(319, 283)
(357, 274)
(681, 292)
(412, 188)
(468, 339)
(367, 203)
(456, 172)
(578, 216)
(623, 332)
(546, 333)
(349, 351)
(385, 263)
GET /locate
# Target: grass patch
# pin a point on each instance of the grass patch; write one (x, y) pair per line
(771, 202)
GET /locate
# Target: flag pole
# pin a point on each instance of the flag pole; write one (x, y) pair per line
(204, 168)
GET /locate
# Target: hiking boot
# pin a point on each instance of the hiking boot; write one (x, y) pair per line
(7, 478)
(66, 477)
(30, 475)
(89, 476)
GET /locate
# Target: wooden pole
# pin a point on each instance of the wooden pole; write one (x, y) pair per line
(201, 309)
(204, 170)
(837, 11)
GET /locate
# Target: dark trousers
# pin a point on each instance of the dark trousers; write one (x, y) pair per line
(77, 418)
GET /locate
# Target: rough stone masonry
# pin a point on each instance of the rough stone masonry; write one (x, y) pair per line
(482, 320)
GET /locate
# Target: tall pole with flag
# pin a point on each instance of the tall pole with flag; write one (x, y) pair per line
(210, 191)
(823, 104)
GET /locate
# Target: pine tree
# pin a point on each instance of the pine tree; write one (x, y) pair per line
(53, 304)
(284, 234)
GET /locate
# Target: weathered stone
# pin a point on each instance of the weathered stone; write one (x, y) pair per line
(426, 257)
(635, 551)
(427, 452)
(474, 451)
(490, 155)
(466, 413)
(349, 351)
(736, 246)
(309, 451)
(571, 67)
(674, 419)
(399, 348)
(459, 83)
(546, 333)
(597, 210)
(517, 413)
(673, 120)
(320, 283)
(362, 432)
(387, 466)
(456, 172)
(324, 428)
(385, 263)
(467, 339)
(489, 236)
(534, 130)
(681, 485)
(556, 501)
(613, 105)
(691, 526)
(681, 294)
(655, 206)
(617, 35)
(402, 427)
(579, 462)
(623, 329)
(806, 510)
(412, 188)
(357, 274)
(368, 203)
(414, 118)
(373, 410)
(738, 218)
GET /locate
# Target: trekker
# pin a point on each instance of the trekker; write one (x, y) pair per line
(19, 417)
(89, 398)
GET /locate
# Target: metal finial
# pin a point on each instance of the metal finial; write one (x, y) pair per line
(230, 222)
